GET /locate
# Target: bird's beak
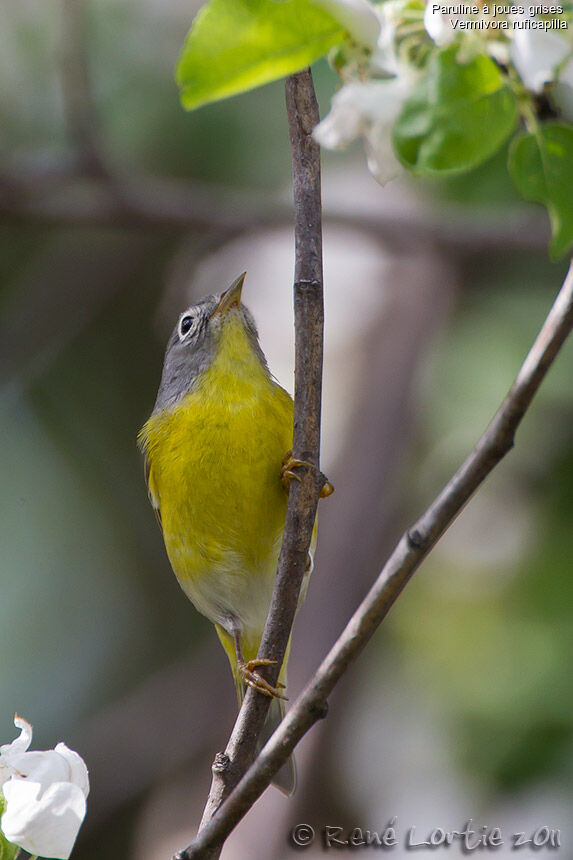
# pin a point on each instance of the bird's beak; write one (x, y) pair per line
(231, 297)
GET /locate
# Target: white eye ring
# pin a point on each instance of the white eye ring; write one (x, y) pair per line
(187, 324)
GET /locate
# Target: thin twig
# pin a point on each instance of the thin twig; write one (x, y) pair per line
(413, 547)
(302, 112)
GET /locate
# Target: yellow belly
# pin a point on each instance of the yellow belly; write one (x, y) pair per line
(215, 462)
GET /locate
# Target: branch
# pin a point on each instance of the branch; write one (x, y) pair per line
(229, 767)
(64, 195)
(358, 527)
(413, 547)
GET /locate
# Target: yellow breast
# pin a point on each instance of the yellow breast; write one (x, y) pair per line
(215, 461)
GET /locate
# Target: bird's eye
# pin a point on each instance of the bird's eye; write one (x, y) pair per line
(185, 325)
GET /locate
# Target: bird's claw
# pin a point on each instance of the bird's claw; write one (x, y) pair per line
(287, 474)
(288, 465)
(253, 679)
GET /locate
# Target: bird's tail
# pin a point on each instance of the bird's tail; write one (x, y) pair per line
(285, 778)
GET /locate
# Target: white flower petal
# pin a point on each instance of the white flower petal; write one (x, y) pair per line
(42, 766)
(22, 742)
(499, 51)
(438, 25)
(536, 54)
(357, 16)
(78, 772)
(10, 752)
(345, 121)
(43, 822)
(5, 773)
(385, 57)
(45, 795)
(367, 109)
(381, 159)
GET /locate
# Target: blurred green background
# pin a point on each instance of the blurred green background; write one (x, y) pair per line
(463, 705)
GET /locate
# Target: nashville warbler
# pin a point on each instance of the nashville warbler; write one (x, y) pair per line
(217, 477)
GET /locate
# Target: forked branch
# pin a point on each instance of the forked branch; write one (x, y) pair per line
(413, 547)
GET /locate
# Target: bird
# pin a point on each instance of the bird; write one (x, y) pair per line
(218, 464)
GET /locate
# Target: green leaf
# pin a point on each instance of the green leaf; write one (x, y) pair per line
(236, 45)
(459, 115)
(541, 166)
(8, 850)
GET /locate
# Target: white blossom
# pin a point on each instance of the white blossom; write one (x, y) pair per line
(366, 109)
(385, 56)
(545, 57)
(438, 26)
(358, 17)
(45, 795)
(536, 54)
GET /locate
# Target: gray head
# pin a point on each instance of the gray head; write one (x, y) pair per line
(195, 339)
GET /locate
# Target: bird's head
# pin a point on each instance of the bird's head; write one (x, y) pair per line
(197, 339)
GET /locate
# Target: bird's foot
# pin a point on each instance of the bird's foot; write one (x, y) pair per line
(287, 473)
(288, 465)
(257, 682)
